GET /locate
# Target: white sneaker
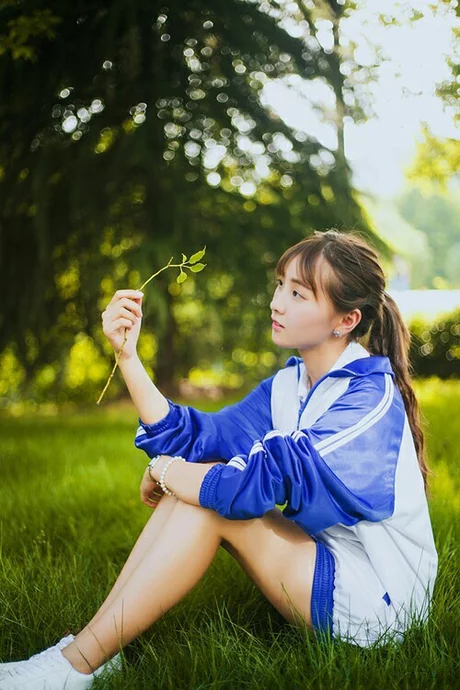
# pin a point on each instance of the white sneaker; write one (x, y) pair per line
(111, 666)
(59, 645)
(52, 671)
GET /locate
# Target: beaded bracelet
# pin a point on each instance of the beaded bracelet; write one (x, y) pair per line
(163, 473)
(151, 465)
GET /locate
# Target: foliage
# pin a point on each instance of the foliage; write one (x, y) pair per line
(437, 160)
(135, 129)
(401, 234)
(25, 31)
(448, 90)
(437, 216)
(435, 347)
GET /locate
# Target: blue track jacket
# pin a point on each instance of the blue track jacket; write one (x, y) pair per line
(338, 456)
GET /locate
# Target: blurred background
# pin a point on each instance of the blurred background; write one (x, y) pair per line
(135, 132)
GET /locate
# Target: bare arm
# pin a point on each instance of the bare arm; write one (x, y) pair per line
(151, 404)
(182, 478)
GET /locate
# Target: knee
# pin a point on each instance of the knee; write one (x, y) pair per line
(183, 505)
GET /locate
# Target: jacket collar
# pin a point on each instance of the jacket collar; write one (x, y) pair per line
(355, 360)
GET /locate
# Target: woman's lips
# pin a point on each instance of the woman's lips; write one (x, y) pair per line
(277, 326)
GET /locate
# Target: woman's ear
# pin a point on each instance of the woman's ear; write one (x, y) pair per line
(350, 321)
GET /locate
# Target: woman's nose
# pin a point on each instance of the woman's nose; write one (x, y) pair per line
(275, 304)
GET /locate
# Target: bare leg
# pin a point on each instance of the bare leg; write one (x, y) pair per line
(147, 537)
(168, 570)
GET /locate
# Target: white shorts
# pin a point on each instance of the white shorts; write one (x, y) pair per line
(348, 599)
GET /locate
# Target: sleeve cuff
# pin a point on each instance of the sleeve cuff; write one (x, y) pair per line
(208, 486)
(171, 419)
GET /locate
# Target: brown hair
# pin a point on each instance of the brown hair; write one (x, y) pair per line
(357, 281)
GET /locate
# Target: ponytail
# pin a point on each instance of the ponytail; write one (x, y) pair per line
(389, 336)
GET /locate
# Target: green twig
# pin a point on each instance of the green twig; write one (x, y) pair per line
(193, 264)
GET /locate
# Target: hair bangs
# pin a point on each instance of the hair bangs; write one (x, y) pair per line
(309, 252)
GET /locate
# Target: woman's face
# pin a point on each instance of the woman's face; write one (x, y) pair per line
(307, 321)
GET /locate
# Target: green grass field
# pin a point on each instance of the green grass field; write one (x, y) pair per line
(70, 514)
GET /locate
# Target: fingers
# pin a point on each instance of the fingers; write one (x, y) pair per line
(118, 323)
(150, 495)
(125, 313)
(131, 305)
(126, 306)
(153, 499)
(119, 294)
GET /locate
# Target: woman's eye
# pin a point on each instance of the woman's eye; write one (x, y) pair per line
(294, 292)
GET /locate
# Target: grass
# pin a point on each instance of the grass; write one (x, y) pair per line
(70, 514)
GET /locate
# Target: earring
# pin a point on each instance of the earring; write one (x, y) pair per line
(336, 333)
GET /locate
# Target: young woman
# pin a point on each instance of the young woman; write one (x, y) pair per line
(334, 434)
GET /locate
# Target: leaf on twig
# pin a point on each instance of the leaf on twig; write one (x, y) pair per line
(197, 256)
(197, 267)
(181, 277)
